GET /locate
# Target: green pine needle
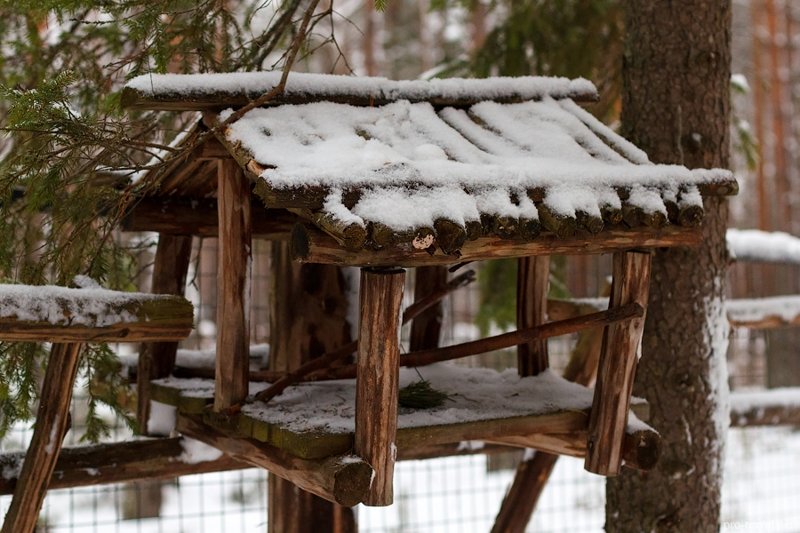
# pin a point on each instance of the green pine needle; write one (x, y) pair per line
(420, 395)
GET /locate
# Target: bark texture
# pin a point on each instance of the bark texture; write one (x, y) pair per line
(309, 318)
(676, 106)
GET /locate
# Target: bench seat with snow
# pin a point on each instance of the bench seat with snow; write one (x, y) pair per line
(386, 175)
(68, 318)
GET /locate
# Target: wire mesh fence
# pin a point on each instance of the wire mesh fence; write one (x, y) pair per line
(457, 494)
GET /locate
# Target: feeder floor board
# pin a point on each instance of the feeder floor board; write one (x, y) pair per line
(316, 419)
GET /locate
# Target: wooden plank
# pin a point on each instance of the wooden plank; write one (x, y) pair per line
(157, 360)
(139, 318)
(119, 462)
(310, 245)
(233, 285)
(426, 328)
(533, 283)
(617, 368)
(52, 423)
(377, 377)
(341, 479)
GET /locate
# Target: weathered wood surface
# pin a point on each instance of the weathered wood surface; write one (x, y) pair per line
(427, 327)
(617, 368)
(199, 217)
(378, 370)
(521, 499)
(311, 245)
(342, 479)
(533, 283)
(52, 423)
(118, 462)
(157, 360)
(321, 363)
(233, 284)
(134, 99)
(157, 318)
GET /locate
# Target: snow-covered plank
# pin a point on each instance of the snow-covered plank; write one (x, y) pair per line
(764, 313)
(772, 407)
(60, 314)
(186, 92)
(764, 246)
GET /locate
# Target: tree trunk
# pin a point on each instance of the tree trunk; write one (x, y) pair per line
(309, 318)
(676, 106)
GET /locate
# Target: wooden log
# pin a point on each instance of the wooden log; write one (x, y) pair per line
(450, 237)
(52, 423)
(520, 501)
(351, 235)
(533, 283)
(377, 378)
(309, 245)
(233, 280)
(340, 479)
(138, 318)
(640, 448)
(119, 462)
(505, 227)
(422, 238)
(591, 223)
(157, 360)
(504, 340)
(563, 226)
(632, 215)
(474, 229)
(199, 217)
(621, 347)
(427, 327)
(381, 235)
(529, 228)
(206, 101)
(611, 215)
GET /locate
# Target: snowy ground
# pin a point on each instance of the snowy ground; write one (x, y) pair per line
(761, 488)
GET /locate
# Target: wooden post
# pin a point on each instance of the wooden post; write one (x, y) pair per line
(533, 281)
(617, 368)
(233, 286)
(427, 327)
(377, 377)
(52, 423)
(524, 493)
(156, 360)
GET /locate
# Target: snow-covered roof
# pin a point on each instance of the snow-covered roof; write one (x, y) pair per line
(505, 156)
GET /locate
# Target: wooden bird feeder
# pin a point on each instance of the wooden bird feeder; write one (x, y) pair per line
(386, 176)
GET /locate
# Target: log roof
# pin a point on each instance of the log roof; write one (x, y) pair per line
(428, 165)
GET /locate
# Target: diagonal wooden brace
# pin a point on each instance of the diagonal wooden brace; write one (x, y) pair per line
(52, 423)
(617, 368)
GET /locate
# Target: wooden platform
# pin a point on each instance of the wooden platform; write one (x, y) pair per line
(316, 420)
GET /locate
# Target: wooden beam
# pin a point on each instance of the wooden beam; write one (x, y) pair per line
(377, 377)
(52, 423)
(157, 360)
(310, 245)
(531, 475)
(135, 99)
(341, 479)
(199, 217)
(119, 462)
(533, 283)
(140, 318)
(233, 285)
(621, 348)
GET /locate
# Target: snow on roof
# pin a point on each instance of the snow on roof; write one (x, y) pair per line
(757, 245)
(777, 310)
(143, 91)
(412, 163)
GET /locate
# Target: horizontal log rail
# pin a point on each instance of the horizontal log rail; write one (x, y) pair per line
(119, 462)
(311, 245)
